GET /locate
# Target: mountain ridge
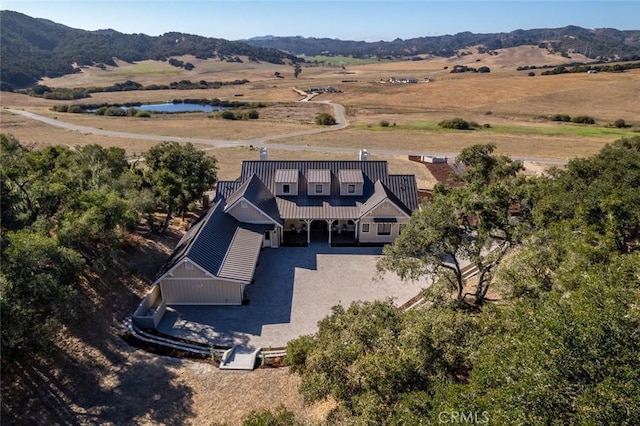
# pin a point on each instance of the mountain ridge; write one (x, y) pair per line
(34, 48)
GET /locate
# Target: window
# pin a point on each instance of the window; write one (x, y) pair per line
(385, 205)
(286, 188)
(188, 265)
(351, 189)
(318, 189)
(384, 229)
(365, 227)
(267, 235)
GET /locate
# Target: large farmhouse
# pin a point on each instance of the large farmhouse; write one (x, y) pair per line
(276, 203)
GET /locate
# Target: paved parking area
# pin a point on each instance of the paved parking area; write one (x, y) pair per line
(294, 288)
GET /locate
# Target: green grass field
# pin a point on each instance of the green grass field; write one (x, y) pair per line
(342, 60)
(559, 130)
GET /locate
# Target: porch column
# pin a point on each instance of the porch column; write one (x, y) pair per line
(329, 223)
(308, 222)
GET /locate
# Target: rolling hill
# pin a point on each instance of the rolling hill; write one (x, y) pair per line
(598, 44)
(32, 48)
(35, 48)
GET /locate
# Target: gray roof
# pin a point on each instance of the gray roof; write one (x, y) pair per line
(209, 240)
(242, 256)
(350, 176)
(380, 194)
(318, 176)
(254, 191)
(287, 175)
(402, 187)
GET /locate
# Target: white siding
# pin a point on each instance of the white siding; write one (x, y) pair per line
(293, 189)
(311, 189)
(177, 291)
(246, 212)
(182, 271)
(373, 237)
(344, 189)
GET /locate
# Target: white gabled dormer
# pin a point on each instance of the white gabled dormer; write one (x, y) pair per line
(286, 181)
(351, 182)
(318, 182)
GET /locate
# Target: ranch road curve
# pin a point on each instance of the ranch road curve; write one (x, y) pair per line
(340, 117)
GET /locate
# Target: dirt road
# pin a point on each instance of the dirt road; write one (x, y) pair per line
(339, 113)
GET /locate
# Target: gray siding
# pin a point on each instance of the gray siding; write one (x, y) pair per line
(177, 291)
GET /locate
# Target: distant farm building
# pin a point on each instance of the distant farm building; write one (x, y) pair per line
(403, 80)
(322, 89)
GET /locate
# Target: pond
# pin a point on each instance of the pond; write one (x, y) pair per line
(171, 107)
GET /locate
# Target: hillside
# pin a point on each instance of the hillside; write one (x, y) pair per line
(35, 48)
(597, 44)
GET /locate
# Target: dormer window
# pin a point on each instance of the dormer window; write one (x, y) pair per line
(286, 181)
(351, 181)
(318, 182)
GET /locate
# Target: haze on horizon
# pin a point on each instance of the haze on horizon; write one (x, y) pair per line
(365, 20)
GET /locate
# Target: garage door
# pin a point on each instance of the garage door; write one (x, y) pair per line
(179, 291)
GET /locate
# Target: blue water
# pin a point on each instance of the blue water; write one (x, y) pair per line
(169, 107)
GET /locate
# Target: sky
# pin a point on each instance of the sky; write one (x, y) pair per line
(347, 20)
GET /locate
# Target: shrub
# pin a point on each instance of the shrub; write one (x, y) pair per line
(455, 123)
(384, 123)
(473, 124)
(484, 69)
(560, 117)
(75, 109)
(583, 119)
(142, 114)
(620, 124)
(251, 115)
(325, 119)
(228, 115)
(531, 74)
(486, 125)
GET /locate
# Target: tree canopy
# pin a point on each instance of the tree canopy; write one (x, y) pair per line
(66, 213)
(559, 345)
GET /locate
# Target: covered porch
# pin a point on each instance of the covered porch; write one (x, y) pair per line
(301, 232)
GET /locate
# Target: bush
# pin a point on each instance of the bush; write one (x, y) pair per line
(325, 119)
(251, 115)
(384, 123)
(142, 114)
(75, 109)
(560, 117)
(455, 123)
(621, 124)
(583, 119)
(531, 74)
(228, 115)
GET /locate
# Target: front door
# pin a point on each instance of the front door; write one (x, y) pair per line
(266, 242)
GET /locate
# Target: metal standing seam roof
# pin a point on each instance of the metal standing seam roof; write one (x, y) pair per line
(350, 176)
(242, 256)
(254, 191)
(210, 240)
(319, 176)
(286, 175)
(380, 194)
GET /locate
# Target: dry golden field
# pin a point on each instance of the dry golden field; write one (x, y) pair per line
(509, 101)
